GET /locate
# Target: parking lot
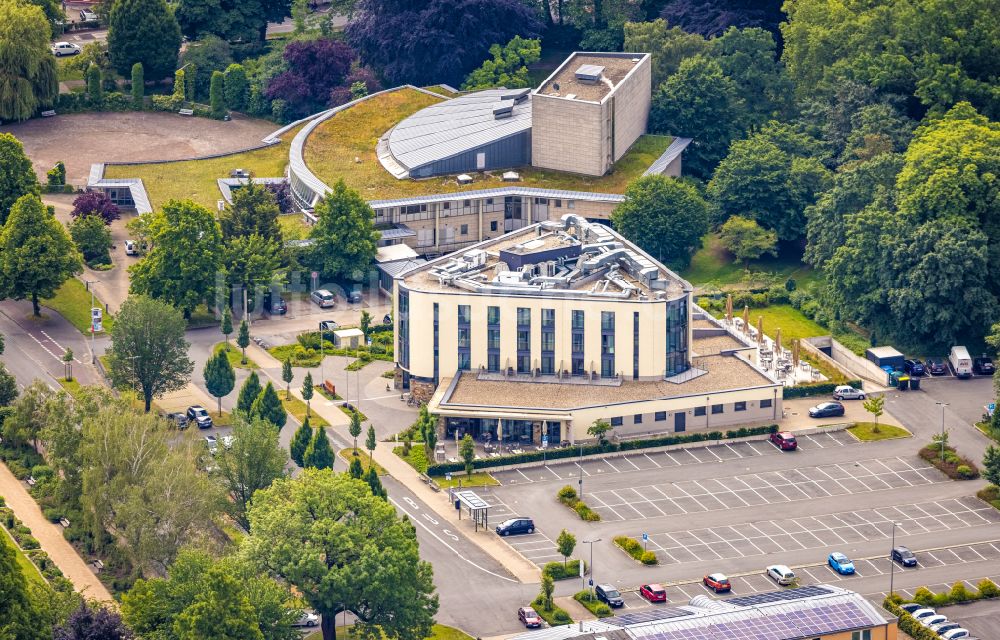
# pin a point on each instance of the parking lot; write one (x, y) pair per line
(726, 451)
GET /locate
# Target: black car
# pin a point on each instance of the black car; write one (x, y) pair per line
(609, 595)
(914, 367)
(983, 366)
(826, 410)
(904, 556)
(275, 305)
(515, 526)
(199, 416)
(935, 367)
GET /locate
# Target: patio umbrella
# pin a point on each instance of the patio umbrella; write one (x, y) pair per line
(746, 319)
(760, 329)
(795, 352)
(777, 343)
(729, 308)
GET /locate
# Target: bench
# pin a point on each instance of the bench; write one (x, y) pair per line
(97, 564)
(64, 522)
(186, 112)
(330, 388)
(31, 481)
(49, 113)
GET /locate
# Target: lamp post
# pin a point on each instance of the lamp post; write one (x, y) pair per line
(943, 405)
(93, 333)
(892, 563)
(591, 543)
(580, 464)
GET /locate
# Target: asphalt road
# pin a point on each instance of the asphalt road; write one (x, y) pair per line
(35, 348)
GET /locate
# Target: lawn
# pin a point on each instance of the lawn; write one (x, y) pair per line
(791, 321)
(196, 179)
(300, 356)
(477, 479)
(73, 302)
(866, 431)
(72, 387)
(293, 227)
(297, 408)
(713, 264)
(987, 429)
(27, 566)
(363, 457)
(235, 356)
(441, 90)
(332, 148)
(348, 413)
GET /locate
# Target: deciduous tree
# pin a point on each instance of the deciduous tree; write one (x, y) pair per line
(467, 451)
(354, 428)
(665, 216)
(322, 530)
(143, 31)
(220, 379)
(507, 65)
(599, 430)
(93, 623)
(186, 257)
(370, 444)
(243, 340)
(95, 203)
(287, 376)
(253, 462)
(19, 610)
(747, 240)
(36, 254)
(253, 211)
(667, 45)
(92, 238)
(148, 348)
(17, 175)
(344, 236)
(226, 326)
(566, 543)
(252, 263)
(307, 391)
(27, 69)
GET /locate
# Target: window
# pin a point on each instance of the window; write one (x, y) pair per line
(548, 341)
(740, 406)
(578, 367)
(492, 338)
(464, 230)
(446, 205)
(493, 225)
(464, 340)
(466, 203)
(548, 365)
(577, 343)
(489, 200)
(637, 418)
(558, 204)
(493, 361)
(548, 318)
(607, 321)
(765, 404)
(541, 200)
(699, 411)
(578, 320)
(463, 361)
(861, 635)
(523, 316)
(523, 340)
(716, 408)
(464, 314)
(616, 422)
(660, 416)
(523, 364)
(463, 337)
(571, 204)
(493, 315)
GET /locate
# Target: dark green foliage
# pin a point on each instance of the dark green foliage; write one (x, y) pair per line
(371, 477)
(991, 465)
(243, 339)
(19, 609)
(253, 211)
(248, 393)
(816, 389)
(205, 57)
(219, 376)
(355, 470)
(236, 87)
(507, 66)
(191, 81)
(665, 216)
(300, 442)
(268, 407)
(95, 91)
(138, 85)
(216, 97)
(319, 453)
(17, 176)
(56, 176)
(92, 238)
(344, 237)
(30, 79)
(143, 31)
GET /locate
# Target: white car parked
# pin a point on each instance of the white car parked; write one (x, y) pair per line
(937, 618)
(308, 619)
(780, 574)
(88, 16)
(955, 634)
(845, 392)
(65, 49)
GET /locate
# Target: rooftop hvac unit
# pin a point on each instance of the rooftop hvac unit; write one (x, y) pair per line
(517, 95)
(464, 178)
(503, 109)
(589, 73)
(511, 176)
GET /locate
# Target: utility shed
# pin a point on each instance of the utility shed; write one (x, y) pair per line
(885, 357)
(348, 338)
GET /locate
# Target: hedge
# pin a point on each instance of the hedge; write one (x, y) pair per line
(567, 496)
(633, 547)
(816, 389)
(555, 616)
(594, 449)
(557, 571)
(593, 605)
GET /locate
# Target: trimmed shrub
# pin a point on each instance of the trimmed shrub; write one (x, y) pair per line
(567, 495)
(924, 596)
(561, 617)
(586, 513)
(954, 466)
(988, 589)
(28, 542)
(557, 571)
(633, 547)
(648, 558)
(138, 85)
(959, 592)
(816, 389)
(216, 96)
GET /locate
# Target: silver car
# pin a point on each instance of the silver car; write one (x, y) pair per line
(845, 392)
(65, 49)
(323, 298)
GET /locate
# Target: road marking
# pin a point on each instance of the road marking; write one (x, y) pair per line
(658, 465)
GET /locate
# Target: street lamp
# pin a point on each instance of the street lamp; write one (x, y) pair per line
(580, 464)
(943, 405)
(892, 563)
(93, 332)
(591, 543)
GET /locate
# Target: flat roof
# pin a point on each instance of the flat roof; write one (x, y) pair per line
(394, 252)
(721, 373)
(449, 128)
(613, 69)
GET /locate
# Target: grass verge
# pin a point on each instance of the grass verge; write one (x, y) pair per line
(555, 616)
(363, 457)
(866, 431)
(72, 387)
(477, 479)
(28, 567)
(72, 301)
(235, 356)
(990, 494)
(987, 430)
(348, 413)
(592, 604)
(297, 409)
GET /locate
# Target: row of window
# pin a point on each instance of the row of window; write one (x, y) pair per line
(660, 416)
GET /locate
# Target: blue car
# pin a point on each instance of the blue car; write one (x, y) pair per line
(840, 563)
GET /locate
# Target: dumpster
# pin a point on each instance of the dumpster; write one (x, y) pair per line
(903, 383)
(915, 384)
(894, 378)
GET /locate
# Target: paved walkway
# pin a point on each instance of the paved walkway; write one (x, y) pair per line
(50, 537)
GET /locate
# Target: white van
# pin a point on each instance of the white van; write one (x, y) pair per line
(960, 361)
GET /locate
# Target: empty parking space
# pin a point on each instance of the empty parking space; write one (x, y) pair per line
(563, 469)
(536, 547)
(757, 489)
(821, 532)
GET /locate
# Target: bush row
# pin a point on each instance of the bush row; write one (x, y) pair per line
(563, 571)
(554, 616)
(816, 389)
(633, 547)
(959, 593)
(567, 496)
(593, 605)
(953, 465)
(607, 447)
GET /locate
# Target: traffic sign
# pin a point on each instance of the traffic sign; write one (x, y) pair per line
(447, 477)
(590, 582)
(645, 537)
(545, 440)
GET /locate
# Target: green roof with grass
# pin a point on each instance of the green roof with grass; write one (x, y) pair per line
(332, 149)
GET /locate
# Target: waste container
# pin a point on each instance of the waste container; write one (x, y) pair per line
(915, 384)
(894, 378)
(904, 383)
(458, 505)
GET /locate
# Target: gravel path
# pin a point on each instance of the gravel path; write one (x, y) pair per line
(50, 537)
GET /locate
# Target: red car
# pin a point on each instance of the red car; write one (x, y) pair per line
(784, 440)
(653, 593)
(717, 582)
(529, 618)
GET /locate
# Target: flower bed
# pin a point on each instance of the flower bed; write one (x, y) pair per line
(953, 465)
(567, 496)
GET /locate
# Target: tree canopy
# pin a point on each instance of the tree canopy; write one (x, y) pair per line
(507, 66)
(28, 75)
(253, 462)
(143, 31)
(17, 176)
(344, 235)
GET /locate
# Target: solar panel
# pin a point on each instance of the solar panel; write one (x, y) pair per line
(653, 615)
(809, 622)
(779, 596)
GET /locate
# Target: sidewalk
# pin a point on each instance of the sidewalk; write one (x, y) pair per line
(50, 537)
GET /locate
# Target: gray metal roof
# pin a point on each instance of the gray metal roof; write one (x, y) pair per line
(500, 192)
(675, 149)
(226, 185)
(399, 267)
(140, 198)
(447, 129)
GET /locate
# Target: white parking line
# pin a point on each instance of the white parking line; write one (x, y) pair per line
(658, 465)
(738, 454)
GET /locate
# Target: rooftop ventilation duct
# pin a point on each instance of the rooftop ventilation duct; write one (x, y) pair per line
(517, 95)
(503, 109)
(463, 178)
(511, 176)
(589, 73)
